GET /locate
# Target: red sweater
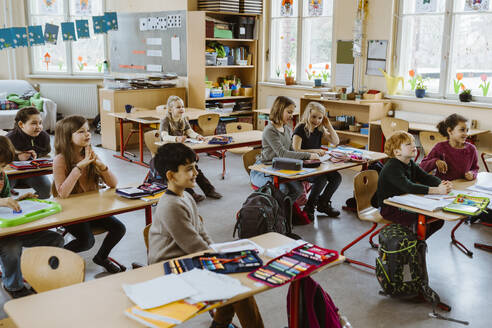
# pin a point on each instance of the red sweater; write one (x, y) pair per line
(459, 161)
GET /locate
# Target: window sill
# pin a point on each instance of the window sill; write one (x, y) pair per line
(66, 77)
(295, 86)
(451, 102)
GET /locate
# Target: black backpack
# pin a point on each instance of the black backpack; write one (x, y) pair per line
(265, 210)
(401, 267)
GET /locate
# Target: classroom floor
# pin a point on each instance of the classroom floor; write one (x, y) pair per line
(462, 282)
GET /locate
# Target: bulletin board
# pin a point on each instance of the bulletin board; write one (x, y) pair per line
(345, 64)
(153, 42)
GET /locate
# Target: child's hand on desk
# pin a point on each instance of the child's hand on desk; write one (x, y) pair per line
(200, 138)
(469, 176)
(26, 196)
(441, 165)
(27, 155)
(443, 189)
(320, 152)
(314, 156)
(181, 139)
(10, 202)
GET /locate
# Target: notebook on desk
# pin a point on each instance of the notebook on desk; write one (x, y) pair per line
(420, 202)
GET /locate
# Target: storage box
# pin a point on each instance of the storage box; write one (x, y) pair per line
(222, 34)
(372, 95)
(364, 131)
(210, 58)
(246, 91)
(219, 5)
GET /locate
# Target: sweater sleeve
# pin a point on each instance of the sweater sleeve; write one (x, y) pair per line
(164, 131)
(273, 139)
(429, 162)
(396, 178)
(204, 233)
(189, 131)
(178, 223)
(426, 178)
(64, 184)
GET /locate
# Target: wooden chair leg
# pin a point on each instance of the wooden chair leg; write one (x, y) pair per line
(458, 244)
(374, 225)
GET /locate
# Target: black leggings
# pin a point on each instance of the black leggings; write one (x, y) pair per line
(84, 237)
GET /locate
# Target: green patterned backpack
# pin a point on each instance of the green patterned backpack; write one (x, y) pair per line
(401, 268)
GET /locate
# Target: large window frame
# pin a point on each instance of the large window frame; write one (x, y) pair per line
(446, 69)
(70, 72)
(302, 44)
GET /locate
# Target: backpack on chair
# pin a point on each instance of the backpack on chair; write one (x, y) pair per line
(265, 210)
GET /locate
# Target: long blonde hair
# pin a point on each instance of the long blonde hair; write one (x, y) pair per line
(64, 146)
(311, 107)
(180, 124)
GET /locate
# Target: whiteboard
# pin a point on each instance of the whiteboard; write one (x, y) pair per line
(142, 43)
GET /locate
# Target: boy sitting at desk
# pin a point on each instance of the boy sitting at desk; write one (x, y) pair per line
(178, 230)
(11, 247)
(400, 175)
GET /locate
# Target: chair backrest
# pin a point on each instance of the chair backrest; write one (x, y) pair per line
(390, 125)
(249, 158)
(207, 124)
(150, 138)
(46, 268)
(146, 235)
(429, 139)
(365, 185)
(238, 127)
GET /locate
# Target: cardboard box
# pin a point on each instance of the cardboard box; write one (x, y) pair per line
(372, 96)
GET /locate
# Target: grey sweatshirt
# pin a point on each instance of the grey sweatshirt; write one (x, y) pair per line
(278, 144)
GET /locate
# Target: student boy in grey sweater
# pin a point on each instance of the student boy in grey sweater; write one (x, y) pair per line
(178, 230)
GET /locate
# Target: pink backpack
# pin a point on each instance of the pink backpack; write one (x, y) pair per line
(309, 306)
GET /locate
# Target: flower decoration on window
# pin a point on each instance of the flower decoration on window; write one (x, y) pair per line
(277, 71)
(286, 8)
(457, 82)
(81, 64)
(310, 73)
(485, 85)
(413, 78)
(325, 73)
(288, 71)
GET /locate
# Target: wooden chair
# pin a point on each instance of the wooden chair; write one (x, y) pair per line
(136, 265)
(239, 127)
(150, 138)
(390, 125)
(207, 124)
(249, 158)
(429, 139)
(46, 268)
(365, 186)
(486, 159)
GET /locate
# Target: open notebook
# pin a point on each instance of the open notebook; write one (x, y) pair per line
(420, 202)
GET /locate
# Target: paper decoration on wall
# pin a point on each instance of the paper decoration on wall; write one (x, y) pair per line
(98, 22)
(68, 31)
(83, 7)
(175, 50)
(50, 33)
(35, 35)
(5, 38)
(376, 57)
(143, 24)
(110, 22)
(162, 23)
(82, 28)
(315, 7)
(425, 6)
(47, 59)
(173, 21)
(19, 37)
(476, 5)
(286, 8)
(48, 6)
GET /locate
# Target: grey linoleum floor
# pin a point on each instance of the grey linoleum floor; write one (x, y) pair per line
(462, 282)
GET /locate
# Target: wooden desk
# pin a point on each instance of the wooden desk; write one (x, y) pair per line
(29, 173)
(101, 302)
(84, 207)
(376, 133)
(239, 139)
(426, 216)
(145, 117)
(325, 167)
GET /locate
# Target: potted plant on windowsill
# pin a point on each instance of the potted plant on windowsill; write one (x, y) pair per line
(420, 87)
(289, 76)
(465, 95)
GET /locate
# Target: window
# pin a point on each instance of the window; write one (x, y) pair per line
(313, 21)
(81, 57)
(446, 43)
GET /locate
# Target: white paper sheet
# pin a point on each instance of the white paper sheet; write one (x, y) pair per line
(154, 53)
(153, 41)
(175, 51)
(159, 291)
(154, 68)
(236, 246)
(107, 105)
(420, 202)
(344, 75)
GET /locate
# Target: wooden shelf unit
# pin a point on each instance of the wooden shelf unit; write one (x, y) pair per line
(364, 111)
(198, 72)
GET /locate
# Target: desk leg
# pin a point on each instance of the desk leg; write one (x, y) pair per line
(223, 164)
(148, 215)
(421, 227)
(276, 182)
(140, 141)
(458, 244)
(122, 145)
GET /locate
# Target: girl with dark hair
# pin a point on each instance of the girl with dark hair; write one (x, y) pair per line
(31, 142)
(455, 158)
(77, 169)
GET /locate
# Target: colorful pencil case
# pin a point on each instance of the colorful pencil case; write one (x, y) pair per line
(468, 205)
(233, 262)
(220, 140)
(296, 264)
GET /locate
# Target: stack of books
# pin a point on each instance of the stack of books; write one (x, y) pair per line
(219, 5)
(251, 6)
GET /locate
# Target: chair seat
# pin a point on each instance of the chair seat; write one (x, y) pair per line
(372, 214)
(98, 230)
(242, 150)
(7, 323)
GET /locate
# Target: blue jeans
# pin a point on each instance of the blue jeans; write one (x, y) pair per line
(41, 184)
(293, 189)
(11, 250)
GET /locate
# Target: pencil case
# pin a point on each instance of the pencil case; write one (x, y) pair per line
(296, 264)
(231, 262)
(220, 140)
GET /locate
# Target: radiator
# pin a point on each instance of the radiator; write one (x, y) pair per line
(79, 99)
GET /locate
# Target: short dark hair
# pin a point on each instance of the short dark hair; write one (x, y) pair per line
(450, 122)
(171, 155)
(24, 114)
(7, 150)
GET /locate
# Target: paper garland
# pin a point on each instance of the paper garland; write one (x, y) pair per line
(19, 37)
(82, 28)
(51, 33)
(68, 31)
(5, 38)
(35, 35)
